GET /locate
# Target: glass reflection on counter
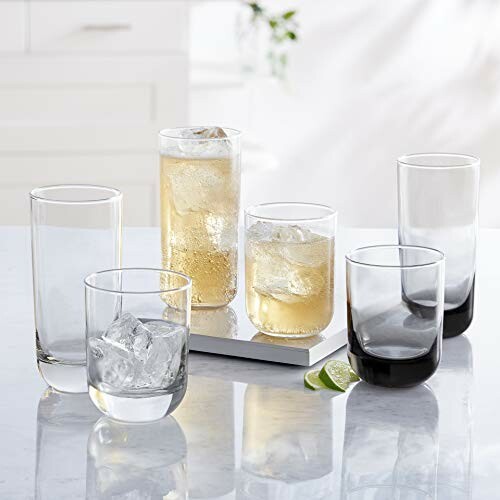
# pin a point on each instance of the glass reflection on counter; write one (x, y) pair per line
(207, 418)
(63, 425)
(390, 444)
(146, 461)
(453, 389)
(221, 322)
(287, 445)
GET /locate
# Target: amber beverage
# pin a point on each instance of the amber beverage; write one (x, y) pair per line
(200, 196)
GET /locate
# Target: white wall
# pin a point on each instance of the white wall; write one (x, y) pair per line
(369, 81)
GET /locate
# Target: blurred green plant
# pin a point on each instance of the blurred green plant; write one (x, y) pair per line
(282, 31)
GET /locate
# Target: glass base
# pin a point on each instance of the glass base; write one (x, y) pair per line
(64, 378)
(290, 335)
(144, 409)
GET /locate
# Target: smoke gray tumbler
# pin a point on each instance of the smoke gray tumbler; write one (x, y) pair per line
(438, 200)
(75, 230)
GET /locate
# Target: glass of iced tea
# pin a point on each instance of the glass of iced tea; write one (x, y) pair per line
(289, 267)
(200, 200)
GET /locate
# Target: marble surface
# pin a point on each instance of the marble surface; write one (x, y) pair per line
(248, 429)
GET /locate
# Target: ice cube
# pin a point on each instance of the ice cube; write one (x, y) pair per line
(286, 233)
(313, 253)
(113, 364)
(208, 133)
(121, 331)
(132, 354)
(197, 188)
(261, 231)
(292, 234)
(193, 145)
(165, 352)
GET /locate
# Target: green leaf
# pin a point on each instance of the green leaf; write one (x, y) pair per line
(257, 9)
(273, 23)
(289, 14)
(291, 35)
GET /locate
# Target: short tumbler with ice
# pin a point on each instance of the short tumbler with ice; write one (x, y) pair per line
(200, 201)
(137, 341)
(289, 266)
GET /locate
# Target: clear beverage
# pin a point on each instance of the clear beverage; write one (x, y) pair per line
(200, 197)
(289, 280)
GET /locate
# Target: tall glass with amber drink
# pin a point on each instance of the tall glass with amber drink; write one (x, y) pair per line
(200, 201)
(289, 267)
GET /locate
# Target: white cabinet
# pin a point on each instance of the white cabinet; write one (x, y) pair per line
(117, 26)
(89, 110)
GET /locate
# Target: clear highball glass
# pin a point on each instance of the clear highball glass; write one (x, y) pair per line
(438, 208)
(76, 230)
(394, 313)
(200, 203)
(137, 341)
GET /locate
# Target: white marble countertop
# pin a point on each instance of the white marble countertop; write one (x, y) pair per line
(247, 429)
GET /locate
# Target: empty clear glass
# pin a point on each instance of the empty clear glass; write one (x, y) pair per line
(394, 313)
(438, 200)
(289, 267)
(137, 341)
(76, 230)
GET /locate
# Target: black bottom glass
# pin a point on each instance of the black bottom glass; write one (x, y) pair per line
(457, 320)
(390, 372)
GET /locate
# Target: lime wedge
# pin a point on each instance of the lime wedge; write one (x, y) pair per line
(335, 375)
(353, 377)
(313, 382)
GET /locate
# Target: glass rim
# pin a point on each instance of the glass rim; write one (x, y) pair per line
(468, 160)
(168, 133)
(440, 256)
(157, 270)
(35, 194)
(332, 213)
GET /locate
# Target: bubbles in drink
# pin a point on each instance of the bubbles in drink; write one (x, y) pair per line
(200, 186)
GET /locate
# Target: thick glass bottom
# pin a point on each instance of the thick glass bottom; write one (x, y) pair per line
(289, 335)
(457, 320)
(141, 409)
(64, 377)
(388, 372)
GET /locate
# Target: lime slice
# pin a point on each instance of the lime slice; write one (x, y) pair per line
(335, 375)
(353, 377)
(313, 382)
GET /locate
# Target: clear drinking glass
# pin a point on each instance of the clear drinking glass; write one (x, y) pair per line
(395, 299)
(137, 341)
(438, 201)
(200, 201)
(289, 259)
(75, 230)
